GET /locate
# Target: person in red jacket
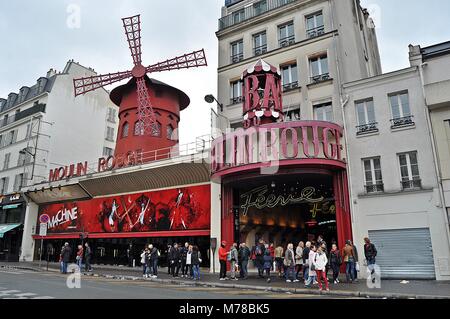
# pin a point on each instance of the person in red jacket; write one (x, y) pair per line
(223, 256)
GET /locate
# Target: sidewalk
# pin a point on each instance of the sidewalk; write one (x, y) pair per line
(389, 288)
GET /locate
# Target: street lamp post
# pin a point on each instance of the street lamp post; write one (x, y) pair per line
(211, 99)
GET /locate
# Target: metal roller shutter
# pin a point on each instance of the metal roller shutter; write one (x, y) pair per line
(404, 254)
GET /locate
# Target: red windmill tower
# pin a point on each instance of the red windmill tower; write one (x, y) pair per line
(146, 105)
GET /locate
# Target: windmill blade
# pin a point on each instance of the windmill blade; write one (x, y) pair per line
(146, 115)
(132, 27)
(186, 61)
(92, 83)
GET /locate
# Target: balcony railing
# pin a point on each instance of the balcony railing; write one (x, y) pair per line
(260, 50)
(285, 42)
(411, 184)
(313, 33)
(367, 128)
(376, 188)
(236, 100)
(251, 12)
(402, 121)
(320, 78)
(290, 86)
(237, 58)
(18, 116)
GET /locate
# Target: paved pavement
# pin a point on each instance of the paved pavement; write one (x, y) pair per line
(27, 284)
(389, 288)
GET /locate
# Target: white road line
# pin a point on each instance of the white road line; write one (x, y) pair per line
(12, 272)
(8, 292)
(26, 294)
(43, 297)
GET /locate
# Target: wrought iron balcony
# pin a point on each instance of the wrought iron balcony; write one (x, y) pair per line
(367, 128)
(18, 116)
(251, 11)
(314, 33)
(285, 42)
(236, 100)
(290, 86)
(402, 121)
(237, 58)
(320, 78)
(411, 184)
(260, 50)
(375, 188)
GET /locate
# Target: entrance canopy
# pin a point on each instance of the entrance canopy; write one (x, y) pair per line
(6, 228)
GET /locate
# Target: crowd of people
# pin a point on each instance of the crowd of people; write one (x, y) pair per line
(309, 262)
(83, 258)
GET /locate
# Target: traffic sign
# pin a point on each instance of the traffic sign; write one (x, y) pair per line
(43, 230)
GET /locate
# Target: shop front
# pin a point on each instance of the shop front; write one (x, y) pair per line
(12, 215)
(117, 228)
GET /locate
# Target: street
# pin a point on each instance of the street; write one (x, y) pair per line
(26, 284)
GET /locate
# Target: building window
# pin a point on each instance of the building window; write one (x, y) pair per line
(236, 92)
(25, 157)
(19, 182)
(29, 131)
(238, 16)
(323, 112)
(289, 77)
(111, 117)
(373, 176)
(10, 138)
(6, 161)
(125, 129)
(366, 117)
(259, 43)
(409, 170)
(4, 185)
(319, 68)
(110, 134)
(237, 51)
(1, 140)
(293, 115)
(107, 151)
(260, 7)
(169, 132)
(286, 34)
(156, 129)
(138, 128)
(401, 113)
(314, 25)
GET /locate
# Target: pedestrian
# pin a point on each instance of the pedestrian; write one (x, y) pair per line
(335, 262)
(349, 260)
(183, 256)
(61, 264)
(289, 263)
(299, 258)
(188, 262)
(306, 251)
(174, 258)
(233, 261)
(130, 255)
(356, 267)
(196, 260)
(144, 262)
(169, 265)
(272, 254)
(268, 261)
(79, 258)
(153, 260)
(370, 252)
(66, 253)
(244, 255)
(279, 257)
(312, 275)
(87, 257)
(320, 263)
(325, 251)
(223, 254)
(259, 253)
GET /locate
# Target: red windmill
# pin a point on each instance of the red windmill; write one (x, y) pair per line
(140, 82)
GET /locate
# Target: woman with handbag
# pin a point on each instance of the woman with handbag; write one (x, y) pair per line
(320, 263)
(312, 268)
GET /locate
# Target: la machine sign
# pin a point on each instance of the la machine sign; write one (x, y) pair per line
(104, 164)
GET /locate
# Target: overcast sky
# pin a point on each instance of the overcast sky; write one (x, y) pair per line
(36, 36)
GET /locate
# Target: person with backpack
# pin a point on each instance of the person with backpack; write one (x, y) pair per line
(268, 262)
(320, 263)
(259, 255)
(87, 257)
(335, 262)
(223, 256)
(196, 260)
(244, 255)
(233, 257)
(349, 260)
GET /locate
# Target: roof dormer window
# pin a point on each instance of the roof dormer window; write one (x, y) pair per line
(23, 93)
(41, 82)
(11, 99)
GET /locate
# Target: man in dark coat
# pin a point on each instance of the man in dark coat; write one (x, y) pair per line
(87, 257)
(174, 259)
(66, 254)
(244, 255)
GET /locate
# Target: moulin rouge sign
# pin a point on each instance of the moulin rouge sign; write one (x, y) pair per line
(104, 164)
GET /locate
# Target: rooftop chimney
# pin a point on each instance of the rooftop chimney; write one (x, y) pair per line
(51, 73)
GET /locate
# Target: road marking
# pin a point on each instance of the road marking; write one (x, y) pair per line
(8, 292)
(12, 272)
(25, 294)
(43, 297)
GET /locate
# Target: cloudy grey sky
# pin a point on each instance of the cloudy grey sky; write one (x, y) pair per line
(35, 37)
